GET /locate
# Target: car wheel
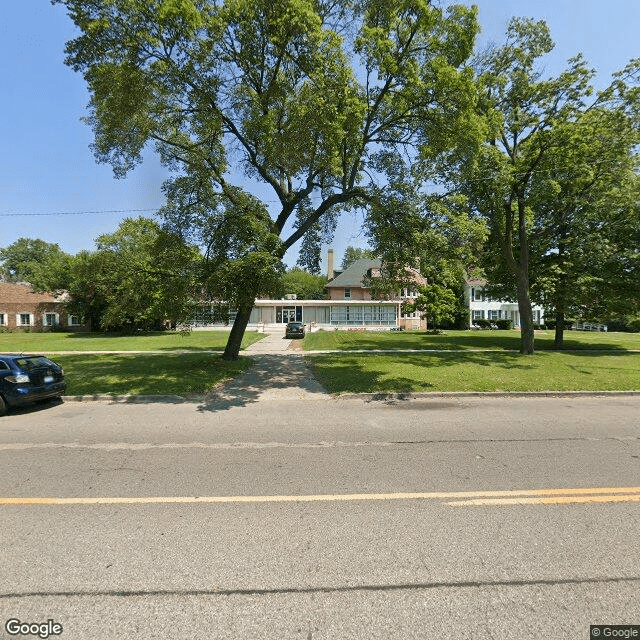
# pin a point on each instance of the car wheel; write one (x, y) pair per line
(3, 406)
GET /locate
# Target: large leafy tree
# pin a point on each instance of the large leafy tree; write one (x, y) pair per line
(585, 241)
(304, 285)
(523, 112)
(427, 233)
(42, 264)
(351, 254)
(139, 277)
(298, 95)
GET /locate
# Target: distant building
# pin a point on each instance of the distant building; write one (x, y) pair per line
(22, 309)
(350, 304)
(483, 307)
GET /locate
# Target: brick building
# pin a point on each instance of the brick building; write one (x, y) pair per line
(23, 309)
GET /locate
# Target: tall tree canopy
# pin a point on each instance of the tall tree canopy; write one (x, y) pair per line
(585, 240)
(526, 117)
(351, 254)
(42, 264)
(304, 285)
(139, 277)
(299, 95)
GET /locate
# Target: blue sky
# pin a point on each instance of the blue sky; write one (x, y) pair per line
(46, 166)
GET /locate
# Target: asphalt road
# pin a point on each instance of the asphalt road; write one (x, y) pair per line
(150, 520)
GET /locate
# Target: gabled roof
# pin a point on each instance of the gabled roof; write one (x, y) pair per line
(21, 293)
(355, 274)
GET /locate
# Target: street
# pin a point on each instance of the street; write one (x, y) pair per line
(459, 517)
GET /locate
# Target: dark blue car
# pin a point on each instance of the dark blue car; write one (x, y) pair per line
(25, 379)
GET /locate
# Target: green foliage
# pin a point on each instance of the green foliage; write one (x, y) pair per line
(417, 232)
(296, 95)
(42, 264)
(525, 173)
(139, 277)
(351, 254)
(503, 324)
(586, 232)
(436, 302)
(304, 285)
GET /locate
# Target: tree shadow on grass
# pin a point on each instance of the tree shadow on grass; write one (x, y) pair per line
(344, 374)
(471, 340)
(172, 374)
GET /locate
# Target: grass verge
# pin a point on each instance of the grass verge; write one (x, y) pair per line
(147, 374)
(477, 371)
(464, 340)
(153, 341)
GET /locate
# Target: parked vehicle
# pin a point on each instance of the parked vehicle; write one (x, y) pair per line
(29, 378)
(294, 330)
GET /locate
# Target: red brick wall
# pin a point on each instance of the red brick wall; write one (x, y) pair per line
(18, 298)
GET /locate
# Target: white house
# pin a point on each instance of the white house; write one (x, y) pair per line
(483, 307)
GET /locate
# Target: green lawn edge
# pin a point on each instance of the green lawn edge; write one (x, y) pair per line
(450, 340)
(188, 374)
(54, 342)
(476, 372)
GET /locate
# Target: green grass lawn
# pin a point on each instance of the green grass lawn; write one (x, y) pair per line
(154, 341)
(146, 374)
(464, 340)
(477, 371)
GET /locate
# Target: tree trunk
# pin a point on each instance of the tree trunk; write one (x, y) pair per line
(234, 342)
(558, 341)
(526, 313)
(522, 274)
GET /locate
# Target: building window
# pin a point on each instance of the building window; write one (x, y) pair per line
(477, 294)
(24, 319)
(494, 314)
(478, 315)
(3, 319)
(347, 293)
(50, 319)
(362, 315)
(74, 321)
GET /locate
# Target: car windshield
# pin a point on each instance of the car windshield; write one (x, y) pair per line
(29, 364)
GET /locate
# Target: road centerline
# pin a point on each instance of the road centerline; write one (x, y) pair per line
(456, 498)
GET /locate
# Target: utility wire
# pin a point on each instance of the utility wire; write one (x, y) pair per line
(75, 213)
(552, 171)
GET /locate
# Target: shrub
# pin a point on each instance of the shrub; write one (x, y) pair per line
(504, 324)
(482, 323)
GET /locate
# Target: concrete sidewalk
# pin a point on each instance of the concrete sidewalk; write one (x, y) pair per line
(275, 376)
(272, 343)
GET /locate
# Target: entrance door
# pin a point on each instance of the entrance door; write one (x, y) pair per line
(288, 314)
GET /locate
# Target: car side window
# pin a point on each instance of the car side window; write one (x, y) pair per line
(3, 366)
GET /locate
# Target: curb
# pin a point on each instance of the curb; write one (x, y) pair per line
(418, 395)
(410, 395)
(132, 399)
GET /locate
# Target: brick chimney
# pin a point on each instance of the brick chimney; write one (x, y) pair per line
(330, 272)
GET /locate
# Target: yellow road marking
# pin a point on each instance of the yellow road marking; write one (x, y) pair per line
(532, 496)
(554, 500)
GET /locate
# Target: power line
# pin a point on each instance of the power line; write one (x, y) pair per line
(75, 213)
